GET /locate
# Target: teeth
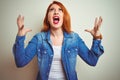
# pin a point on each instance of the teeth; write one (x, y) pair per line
(56, 18)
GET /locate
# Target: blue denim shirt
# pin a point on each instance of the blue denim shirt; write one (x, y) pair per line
(72, 46)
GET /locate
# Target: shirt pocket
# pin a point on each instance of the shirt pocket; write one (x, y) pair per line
(72, 56)
(42, 53)
(72, 52)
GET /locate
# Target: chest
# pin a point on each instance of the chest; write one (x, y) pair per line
(57, 41)
(68, 48)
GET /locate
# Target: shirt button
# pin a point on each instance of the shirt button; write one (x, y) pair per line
(38, 50)
(45, 52)
(68, 51)
(76, 49)
(51, 55)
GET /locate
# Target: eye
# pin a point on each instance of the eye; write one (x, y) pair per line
(51, 9)
(60, 9)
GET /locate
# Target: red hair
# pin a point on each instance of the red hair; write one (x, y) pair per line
(66, 18)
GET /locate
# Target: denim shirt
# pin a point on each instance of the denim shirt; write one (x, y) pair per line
(72, 46)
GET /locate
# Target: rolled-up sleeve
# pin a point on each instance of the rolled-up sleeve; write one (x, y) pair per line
(97, 47)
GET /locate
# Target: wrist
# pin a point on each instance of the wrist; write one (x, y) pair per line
(98, 37)
(20, 33)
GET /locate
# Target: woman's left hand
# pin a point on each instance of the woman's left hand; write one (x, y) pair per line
(95, 32)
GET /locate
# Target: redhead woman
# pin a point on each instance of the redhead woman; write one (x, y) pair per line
(56, 46)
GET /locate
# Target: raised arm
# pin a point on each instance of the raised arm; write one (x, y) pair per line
(23, 55)
(91, 56)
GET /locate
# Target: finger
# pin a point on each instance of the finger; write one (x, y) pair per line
(99, 23)
(28, 30)
(96, 21)
(19, 16)
(101, 19)
(19, 21)
(22, 19)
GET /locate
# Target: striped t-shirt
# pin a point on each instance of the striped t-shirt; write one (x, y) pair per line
(56, 71)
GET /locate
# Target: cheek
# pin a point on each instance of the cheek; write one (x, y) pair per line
(62, 16)
(49, 17)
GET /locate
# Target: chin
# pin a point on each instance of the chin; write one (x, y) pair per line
(56, 27)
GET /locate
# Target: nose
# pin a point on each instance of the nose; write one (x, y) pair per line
(55, 12)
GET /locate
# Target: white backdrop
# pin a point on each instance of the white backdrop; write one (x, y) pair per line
(83, 13)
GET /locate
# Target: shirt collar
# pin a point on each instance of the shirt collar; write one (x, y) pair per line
(66, 35)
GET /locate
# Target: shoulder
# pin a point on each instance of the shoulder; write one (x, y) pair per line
(74, 35)
(39, 35)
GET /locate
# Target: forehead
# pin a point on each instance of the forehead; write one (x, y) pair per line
(55, 6)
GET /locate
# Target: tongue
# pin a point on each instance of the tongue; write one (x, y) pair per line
(55, 21)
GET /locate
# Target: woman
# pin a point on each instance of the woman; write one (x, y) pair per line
(56, 46)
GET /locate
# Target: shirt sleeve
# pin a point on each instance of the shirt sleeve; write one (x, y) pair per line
(24, 55)
(90, 56)
(97, 47)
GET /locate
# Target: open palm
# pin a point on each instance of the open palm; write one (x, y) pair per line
(21, 30)
(96, 30)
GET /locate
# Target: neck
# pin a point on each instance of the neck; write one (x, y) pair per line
(56, 37)
(56, 33)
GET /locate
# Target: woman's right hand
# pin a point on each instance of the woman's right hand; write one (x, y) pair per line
(20, 23)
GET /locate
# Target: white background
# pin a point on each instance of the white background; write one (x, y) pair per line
(83, 13)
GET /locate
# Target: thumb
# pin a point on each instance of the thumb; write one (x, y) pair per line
(28, 30)
(88, 30)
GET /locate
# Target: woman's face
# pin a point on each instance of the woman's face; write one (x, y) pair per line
(55, 16)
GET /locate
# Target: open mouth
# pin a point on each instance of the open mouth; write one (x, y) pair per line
(56, 19)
